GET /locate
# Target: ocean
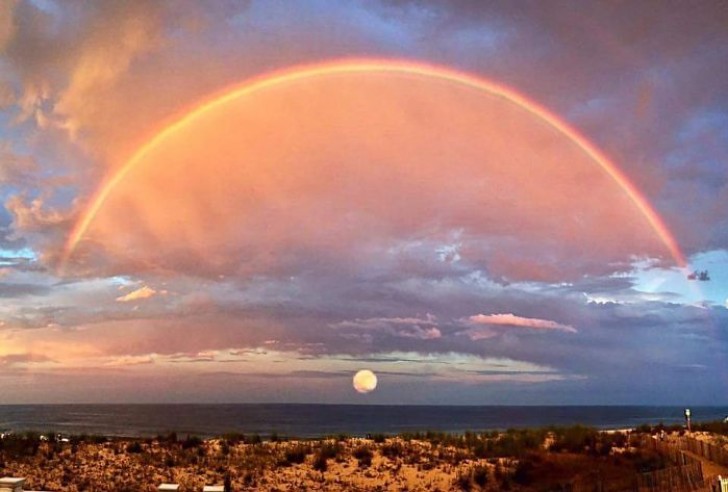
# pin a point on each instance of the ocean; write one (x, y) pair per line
(307, 421)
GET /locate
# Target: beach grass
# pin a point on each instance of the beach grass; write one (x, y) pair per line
(515, 459)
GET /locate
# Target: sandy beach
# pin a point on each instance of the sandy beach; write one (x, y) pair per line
(516, 460)
(353, 464)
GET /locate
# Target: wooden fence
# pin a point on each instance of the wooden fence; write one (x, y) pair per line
(686, 476)
(679, 478)
(713, 452)
(672, 449)
(682, 478)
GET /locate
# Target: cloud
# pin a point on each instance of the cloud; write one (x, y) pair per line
(330, 235)
(399, 216)
(143, 292)
(419, 328)
(7, 27)
(40, 225)
(377, 322)
(7, 95)
(147, 77)
(13, 360)
(106, 55)
(15, 169)
(130, 360)
(518, 321)
(11, 290)
(62, 56)
(618, 339)
(35, 216)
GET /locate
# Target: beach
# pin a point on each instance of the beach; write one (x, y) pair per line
(516, 460)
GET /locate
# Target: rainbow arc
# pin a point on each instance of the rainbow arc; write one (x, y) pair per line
(369, 66)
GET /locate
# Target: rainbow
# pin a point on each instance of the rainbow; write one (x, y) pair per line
(368, 66)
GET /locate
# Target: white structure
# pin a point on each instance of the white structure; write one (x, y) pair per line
(10, 484)
(168, 486)
(213, 488)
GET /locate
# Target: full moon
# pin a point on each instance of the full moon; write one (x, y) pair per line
(365, 381)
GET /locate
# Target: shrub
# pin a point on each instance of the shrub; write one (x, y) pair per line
(330, 450)
(480, 475)
(364, 455)
(716, 427)
(524, 472)
(170, 438)
(97, 439)
(234, 437)
(320, 463)
(191, 442)
(297, 454)
(16, 446)
(379, 438)
(463, 481)
(254, 439)
(649, 461)
(575, 439)
(392, 450)
(134, 447)
(248, 479)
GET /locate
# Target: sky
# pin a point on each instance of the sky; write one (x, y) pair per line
(481, 202)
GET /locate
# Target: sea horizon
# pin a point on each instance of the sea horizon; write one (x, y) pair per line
(308, 420)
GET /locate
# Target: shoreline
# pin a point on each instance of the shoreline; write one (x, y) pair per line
(275, 436)
(315, 421)
(280, 437)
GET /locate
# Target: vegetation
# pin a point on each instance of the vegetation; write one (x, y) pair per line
(364, 456)
(134, 447)
(321, 462)
(20, 445)
(517, 459)
(715, 427)
(296, 454)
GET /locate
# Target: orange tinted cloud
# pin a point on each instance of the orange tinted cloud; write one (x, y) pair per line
(6, 22)
(101, 61)
(519, 321)
(143, 292)
(350, 168)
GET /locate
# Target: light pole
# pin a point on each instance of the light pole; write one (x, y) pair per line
(687, 418)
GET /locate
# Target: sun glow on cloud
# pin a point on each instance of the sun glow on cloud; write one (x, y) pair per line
(298, 174)
(519, 321)
(143, 292)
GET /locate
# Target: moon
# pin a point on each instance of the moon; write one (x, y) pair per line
(365, 381)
